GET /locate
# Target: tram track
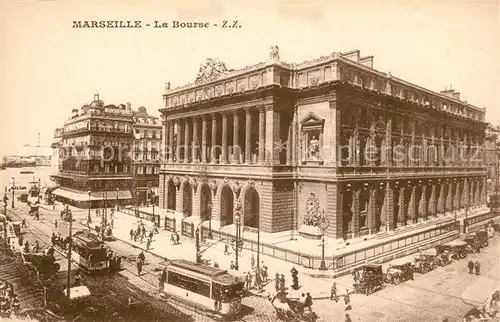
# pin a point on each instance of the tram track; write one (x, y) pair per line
(146, 277)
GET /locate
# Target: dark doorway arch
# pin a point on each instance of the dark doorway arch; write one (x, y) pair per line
(205, 202)
(226, 206)
(187, 198)
(251, 208)
(171, 195)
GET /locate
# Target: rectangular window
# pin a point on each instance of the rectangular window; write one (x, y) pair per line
(189, 284)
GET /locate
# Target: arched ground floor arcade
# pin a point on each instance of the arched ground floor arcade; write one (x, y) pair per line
(349, 208)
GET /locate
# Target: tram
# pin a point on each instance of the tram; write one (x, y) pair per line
(90, 252)
(202, 285)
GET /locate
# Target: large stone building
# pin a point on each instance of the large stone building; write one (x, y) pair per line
(146, 156)
(330, 144)
(94, 164)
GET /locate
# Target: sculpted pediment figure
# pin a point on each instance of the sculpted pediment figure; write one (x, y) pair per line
(211, 70)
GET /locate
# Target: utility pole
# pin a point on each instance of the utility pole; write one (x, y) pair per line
(197, 238)
(70, 246)
(13, 189)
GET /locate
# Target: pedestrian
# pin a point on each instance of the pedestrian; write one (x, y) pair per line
(282, 284)
(410, 272)
(148, 243)
(216, 301)
(131, 233)
(248, 281)
(333, 293)
(36, 247)
(78, 281)
(258, 281)
(277, 282)
(232, 265)
(151, 235)
(54, 207)
(26, 247)
(141, 257)
(347, 300)
(477, 267)
(161, 281)
(264, 272)
(309, 300)
(470, 265)
(216, 265)
(112, 223)
(347, 318)
(172, 239)
(55, 223)
(23, 224)
(252, 261)
(177, 238)
(226, 249)
(139, 268)
(295, 278)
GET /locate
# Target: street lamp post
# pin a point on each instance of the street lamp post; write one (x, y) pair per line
(70, 246)
(323, 225)
(88, 219)
(13, 189)
(210, 220)
(117, 190)
(237, 219)
(197, 239)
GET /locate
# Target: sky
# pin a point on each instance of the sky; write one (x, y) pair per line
(48, 68)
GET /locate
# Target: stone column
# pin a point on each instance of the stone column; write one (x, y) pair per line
(196, 143)
(456, 197)
(449, 198)
(171, 142)
(236, 140)
(402, 207)
(478, 191)
(224, 138)
(484, 191)
(412, 206)
(356, 211)
(248, 136)
(432, 206)
(387, 217)
(204, 138)
(164, 142)
(289, 145)
(186, 141)
(372, 208)
(262, 134)
(213, 144)
(272, 135)
(388, 143)
(465, 193)
(295, 140)
(422, 205)
(441, 204)
(180, 128)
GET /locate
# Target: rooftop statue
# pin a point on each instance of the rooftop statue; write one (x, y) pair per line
(274, 53)
(211, 70)
(167, 86)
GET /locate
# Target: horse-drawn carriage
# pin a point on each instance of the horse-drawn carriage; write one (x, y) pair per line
(44, 262)
(400, 271)
(370, 280)
(292, 310)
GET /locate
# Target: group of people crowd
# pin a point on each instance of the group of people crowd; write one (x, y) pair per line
(141, 233)
(9, 303)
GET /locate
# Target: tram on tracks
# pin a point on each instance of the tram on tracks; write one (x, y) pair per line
(90, 253)
(203, 285)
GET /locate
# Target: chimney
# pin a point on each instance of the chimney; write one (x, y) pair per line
(367, 61)
(351, 55)
(128, 106)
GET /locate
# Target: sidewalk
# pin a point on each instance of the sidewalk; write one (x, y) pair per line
(161, 246)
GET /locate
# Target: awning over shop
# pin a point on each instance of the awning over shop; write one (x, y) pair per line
(84, 196)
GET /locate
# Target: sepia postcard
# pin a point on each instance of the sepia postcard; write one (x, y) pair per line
(253, 161)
